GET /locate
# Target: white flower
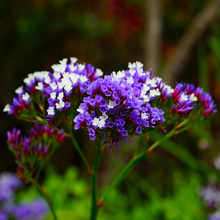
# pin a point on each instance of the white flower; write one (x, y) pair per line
(131, 65)
(19, 90)
(81, 67)
(29, 78)
(60, 104)
(25, 96)
(154, 93)
(63, 61)
(68, 87)
(59, 67)
(80, 110)
(83, 78)
(73, 59)
(130, 80)
(6, 108)
(47, 80)
(72, 67)
(169, 89)
(53, 95)
(74, 77)
(183, 97)
(132, 72)
(60, 96)
(95, 122)
(99, 72)
(144, 116)
(111, 104)
(50, 110)
(39, 86)
(193, 97)
(53, 85)
(139, 65)
(56, 75)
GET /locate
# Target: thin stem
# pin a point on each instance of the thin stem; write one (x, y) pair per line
(140, 139)
(75, 144)
(45, 195)
(167, 136)
(94, 207)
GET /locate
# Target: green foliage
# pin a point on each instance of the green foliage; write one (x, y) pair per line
(71, 198)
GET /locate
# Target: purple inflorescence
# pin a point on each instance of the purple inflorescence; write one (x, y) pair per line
(34, 149)
(215, 216)
(186, 97)
(25, 211)
(118, 106)
(211, 195)
(8, 183)
(58, 87)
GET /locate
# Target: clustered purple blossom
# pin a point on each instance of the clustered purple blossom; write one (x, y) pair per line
(34, 210)
(132, 102)
(35, 149)
(186, 95)
(58, 87)
(210, 194)
(118, 106)
(215, 216)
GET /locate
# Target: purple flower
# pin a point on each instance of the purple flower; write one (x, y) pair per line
(123, 113)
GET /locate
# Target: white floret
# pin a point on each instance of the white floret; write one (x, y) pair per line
(19, 90)
(53, 86)
(6, 108)
(130, 80)
(131, 65)
(99, 72)
(95, 122)
(72, 67)
(50, 110)
(144, 116)
(60, 104)
(154, 93)
(80, 110)
(111, 104)
(74, 77)
(56, 75)
(81, 67)
(132, 72)
(183, 98)
(25, 96)
(73, 59)
(60, 96)
(83, 78)
(169, 89)
(63, 61)
(193, 97)
(53, 95)
(39, 86)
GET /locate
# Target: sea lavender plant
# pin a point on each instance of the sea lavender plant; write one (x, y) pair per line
(110, 109)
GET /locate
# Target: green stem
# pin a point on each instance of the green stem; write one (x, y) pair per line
(75, 144)
(45, 195)
(133, 162)
(94, 207)
(140, 139)
(167, 136)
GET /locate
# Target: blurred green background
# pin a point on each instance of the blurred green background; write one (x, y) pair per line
(180, 40)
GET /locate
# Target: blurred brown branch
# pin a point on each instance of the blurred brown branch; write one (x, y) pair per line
(189, 39)
(152, 36)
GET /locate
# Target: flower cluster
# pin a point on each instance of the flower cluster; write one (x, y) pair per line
(211, 195)
(132, 101)
(32, 151)
(57, 87)
(118, 106)
(25, 211)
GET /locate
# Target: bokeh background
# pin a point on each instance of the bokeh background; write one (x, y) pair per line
(180, 40)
